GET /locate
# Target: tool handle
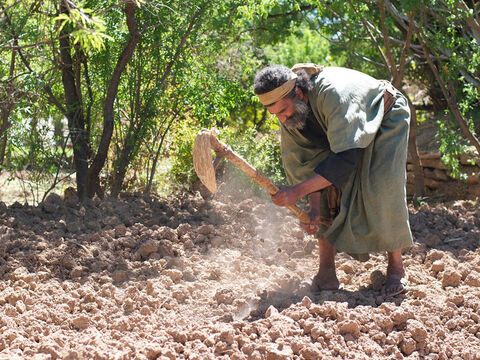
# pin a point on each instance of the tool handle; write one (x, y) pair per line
(225, 151)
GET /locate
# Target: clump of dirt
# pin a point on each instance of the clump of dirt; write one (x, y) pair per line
(222, 278)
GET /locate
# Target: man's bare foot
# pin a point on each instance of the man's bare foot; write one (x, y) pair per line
(395, 287)
(395, 281)
(325, 280)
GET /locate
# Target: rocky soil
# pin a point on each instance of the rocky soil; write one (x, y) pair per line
(222, 278)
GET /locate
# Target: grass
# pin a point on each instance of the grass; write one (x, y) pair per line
(28, 187)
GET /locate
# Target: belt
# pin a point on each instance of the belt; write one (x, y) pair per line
(388, 97)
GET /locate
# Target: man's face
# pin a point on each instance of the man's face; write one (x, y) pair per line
(292, 113)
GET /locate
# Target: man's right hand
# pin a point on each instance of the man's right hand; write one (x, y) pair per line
(314, 201)
(312, 228)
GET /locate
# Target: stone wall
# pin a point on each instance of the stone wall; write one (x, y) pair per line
(437, 176)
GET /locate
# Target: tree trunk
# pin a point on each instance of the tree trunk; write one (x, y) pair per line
(157, 156)
(74, 112)
(7, 108)
(123, 161)
(93, 180)
(132, 138)
(449, 94)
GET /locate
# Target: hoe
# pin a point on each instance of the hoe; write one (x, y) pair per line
(205, 168)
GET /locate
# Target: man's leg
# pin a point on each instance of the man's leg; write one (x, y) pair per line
(326, 279)
(395, 273)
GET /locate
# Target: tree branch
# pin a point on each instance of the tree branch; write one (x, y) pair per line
(295, 12)
(99, 160)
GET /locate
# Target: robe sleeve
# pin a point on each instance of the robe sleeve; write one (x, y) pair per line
(336, 168)
(351, 111)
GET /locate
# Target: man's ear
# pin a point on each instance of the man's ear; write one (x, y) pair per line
(301, 95)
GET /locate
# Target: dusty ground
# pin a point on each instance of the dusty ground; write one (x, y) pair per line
(188, 278)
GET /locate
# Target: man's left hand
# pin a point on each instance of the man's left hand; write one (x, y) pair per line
(286, 196)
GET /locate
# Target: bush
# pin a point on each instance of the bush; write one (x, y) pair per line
(261, 150)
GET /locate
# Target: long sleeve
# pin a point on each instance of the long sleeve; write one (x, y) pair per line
(337, 167)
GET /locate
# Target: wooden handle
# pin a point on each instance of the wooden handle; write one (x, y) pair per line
(225, 151)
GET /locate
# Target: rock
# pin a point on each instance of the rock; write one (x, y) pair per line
(451, 278)
(72, 201)
(399, 316)
(224, 296)
(434, 255)
(166, 233)
(206, 229)
(49, 207)
(278, 352)
(54, 198)
(306, 302)
(417, 330)
(217, 241)
(438, 265)
(147, 248)
(119, 275)
(93, 225)
(120, 230)
(473, 279)
(74, 227)
(408, 346)
(81, 322)
(3, 207)
(77, 272)
(183, 229)
(165, 248)
(433, 240)
(271, 311)
(349, 327)
(377, 279)
(111, 221)
(174, 274)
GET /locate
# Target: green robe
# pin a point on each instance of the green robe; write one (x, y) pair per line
(348, 108)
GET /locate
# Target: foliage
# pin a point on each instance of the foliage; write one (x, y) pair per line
(304, 45)
(180, 151)
(261, 150)
(193, 66)
(451, 146)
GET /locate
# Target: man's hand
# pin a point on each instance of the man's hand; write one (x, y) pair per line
(314, 200)
(312, 228)
(286, 196)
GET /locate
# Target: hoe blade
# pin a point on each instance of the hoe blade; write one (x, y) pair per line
(202, 161)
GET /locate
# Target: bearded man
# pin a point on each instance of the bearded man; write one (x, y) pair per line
(346, 133)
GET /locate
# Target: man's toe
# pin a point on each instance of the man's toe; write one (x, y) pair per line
(395, 287)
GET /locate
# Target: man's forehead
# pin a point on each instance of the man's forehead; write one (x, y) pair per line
(279, 106)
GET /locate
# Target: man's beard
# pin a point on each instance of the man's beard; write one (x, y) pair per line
(298, 119)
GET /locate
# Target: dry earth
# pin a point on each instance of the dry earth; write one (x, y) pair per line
(188, 278)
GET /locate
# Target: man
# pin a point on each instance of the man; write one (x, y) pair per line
(343, 131)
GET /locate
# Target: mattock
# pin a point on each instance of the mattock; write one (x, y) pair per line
(202, 162)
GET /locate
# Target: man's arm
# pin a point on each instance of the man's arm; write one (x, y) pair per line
(338, 167)
(289, 195)
(333, 170)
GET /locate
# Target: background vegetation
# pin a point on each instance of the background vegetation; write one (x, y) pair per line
(110, 94)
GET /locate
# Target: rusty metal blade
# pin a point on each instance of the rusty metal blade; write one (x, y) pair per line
(202, 161)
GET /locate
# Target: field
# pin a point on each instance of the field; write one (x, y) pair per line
(224, 278)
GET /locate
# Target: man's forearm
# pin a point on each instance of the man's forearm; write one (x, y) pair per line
(311, 185)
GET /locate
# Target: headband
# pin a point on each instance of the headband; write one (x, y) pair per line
(278, 93)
